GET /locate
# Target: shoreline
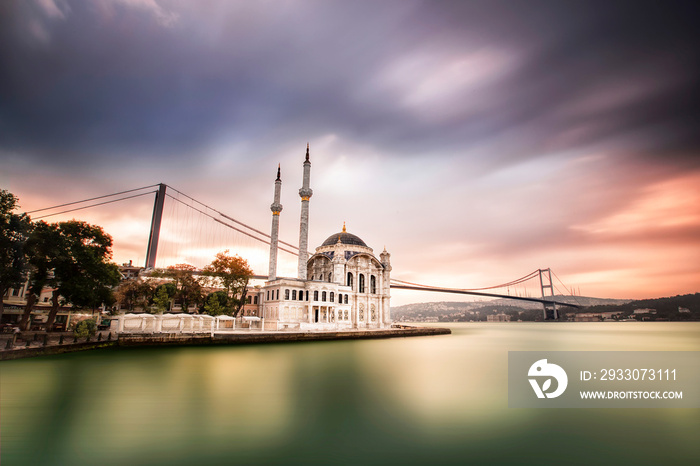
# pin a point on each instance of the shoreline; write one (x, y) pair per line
(233, 338)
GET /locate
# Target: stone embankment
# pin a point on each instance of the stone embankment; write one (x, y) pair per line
(40, 347)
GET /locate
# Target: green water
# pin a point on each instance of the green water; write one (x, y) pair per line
(425, 400)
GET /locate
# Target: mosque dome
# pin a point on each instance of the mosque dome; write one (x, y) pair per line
(345, 238)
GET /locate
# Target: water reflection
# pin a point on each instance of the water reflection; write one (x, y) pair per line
(430, 400)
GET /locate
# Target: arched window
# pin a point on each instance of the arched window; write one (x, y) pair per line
(286, 295)
(373, 284)
(349, 279)
(268, 295)
(255, 299)
(323, 296)
(316, 295)
(346, 299)
(332, 297)
(362, 283)
(307, 295)
(294, 295)
(277, 294)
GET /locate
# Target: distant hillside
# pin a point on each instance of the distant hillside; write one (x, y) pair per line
(446, 307)
(665, 309)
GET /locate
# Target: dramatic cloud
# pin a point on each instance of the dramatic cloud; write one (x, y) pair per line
(477, 139)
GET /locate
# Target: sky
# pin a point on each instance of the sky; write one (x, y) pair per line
(475, 140)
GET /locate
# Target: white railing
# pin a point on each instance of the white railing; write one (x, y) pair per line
(185, 323)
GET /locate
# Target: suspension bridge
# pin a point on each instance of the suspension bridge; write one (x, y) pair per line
(185, 230)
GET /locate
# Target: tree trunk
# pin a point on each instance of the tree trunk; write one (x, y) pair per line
(24, 323)
(53, 311)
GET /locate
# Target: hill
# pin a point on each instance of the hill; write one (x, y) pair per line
(669, 308)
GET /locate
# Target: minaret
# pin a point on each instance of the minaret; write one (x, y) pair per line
(276, 208)
(305, 192)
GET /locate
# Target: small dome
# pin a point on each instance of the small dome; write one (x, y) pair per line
(345, 238)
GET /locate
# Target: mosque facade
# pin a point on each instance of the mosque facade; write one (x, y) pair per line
(342, 285)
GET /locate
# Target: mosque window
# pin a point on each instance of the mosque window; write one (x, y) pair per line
(316, 295)
(323, 296)
(268, 295)
(332, 297)
(307, 295)
(346, 299)
(294, 295)
(277, 294)
(373, 284)
(350, 279)
(361, 281)
(286, 295)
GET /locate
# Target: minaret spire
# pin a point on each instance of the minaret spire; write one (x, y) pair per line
(305, 193)
(276, 208)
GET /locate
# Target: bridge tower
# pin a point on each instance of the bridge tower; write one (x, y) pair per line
(305, 193)
(152, 250)
(549, 309)
(276, 208)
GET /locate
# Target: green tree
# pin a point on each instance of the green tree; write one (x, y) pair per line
(134, 293)
(163, 297)
(216, 304)
(232, 273)
(14, 230)
(82, 274)
(43, 248)
(85, 328)
(188, 290)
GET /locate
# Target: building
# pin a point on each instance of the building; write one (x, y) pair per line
(498, 318)
(343, 285)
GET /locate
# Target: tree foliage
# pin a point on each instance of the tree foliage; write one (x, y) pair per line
(85, 328)
(217, 304)
(232, 273)
(14, 230)
(133, 294)
(188, 290)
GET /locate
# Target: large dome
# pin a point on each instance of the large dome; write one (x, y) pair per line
(345, 238)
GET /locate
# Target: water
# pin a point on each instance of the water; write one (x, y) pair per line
(426, 400)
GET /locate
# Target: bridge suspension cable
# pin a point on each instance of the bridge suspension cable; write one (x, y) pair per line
(94, 199)
(87, 206)
(502, 285)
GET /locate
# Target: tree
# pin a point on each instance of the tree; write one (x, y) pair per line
(134, 293)
(163, 297)
(232, 273)
(43, 247)
(216, 304)
(14, 230)
(85, 328)
(83, 274)
(188, 291)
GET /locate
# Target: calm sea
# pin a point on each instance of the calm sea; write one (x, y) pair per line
(426, 400)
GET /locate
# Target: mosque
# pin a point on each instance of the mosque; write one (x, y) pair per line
(341, 286)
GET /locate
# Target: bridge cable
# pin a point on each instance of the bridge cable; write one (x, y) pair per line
(232, 219)
(228, 225)
(92, 205)
(93, 199)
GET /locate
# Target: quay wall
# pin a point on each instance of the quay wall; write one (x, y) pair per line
(179, 339)
(276, 337)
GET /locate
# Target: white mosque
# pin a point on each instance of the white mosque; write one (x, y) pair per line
(341, 286)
